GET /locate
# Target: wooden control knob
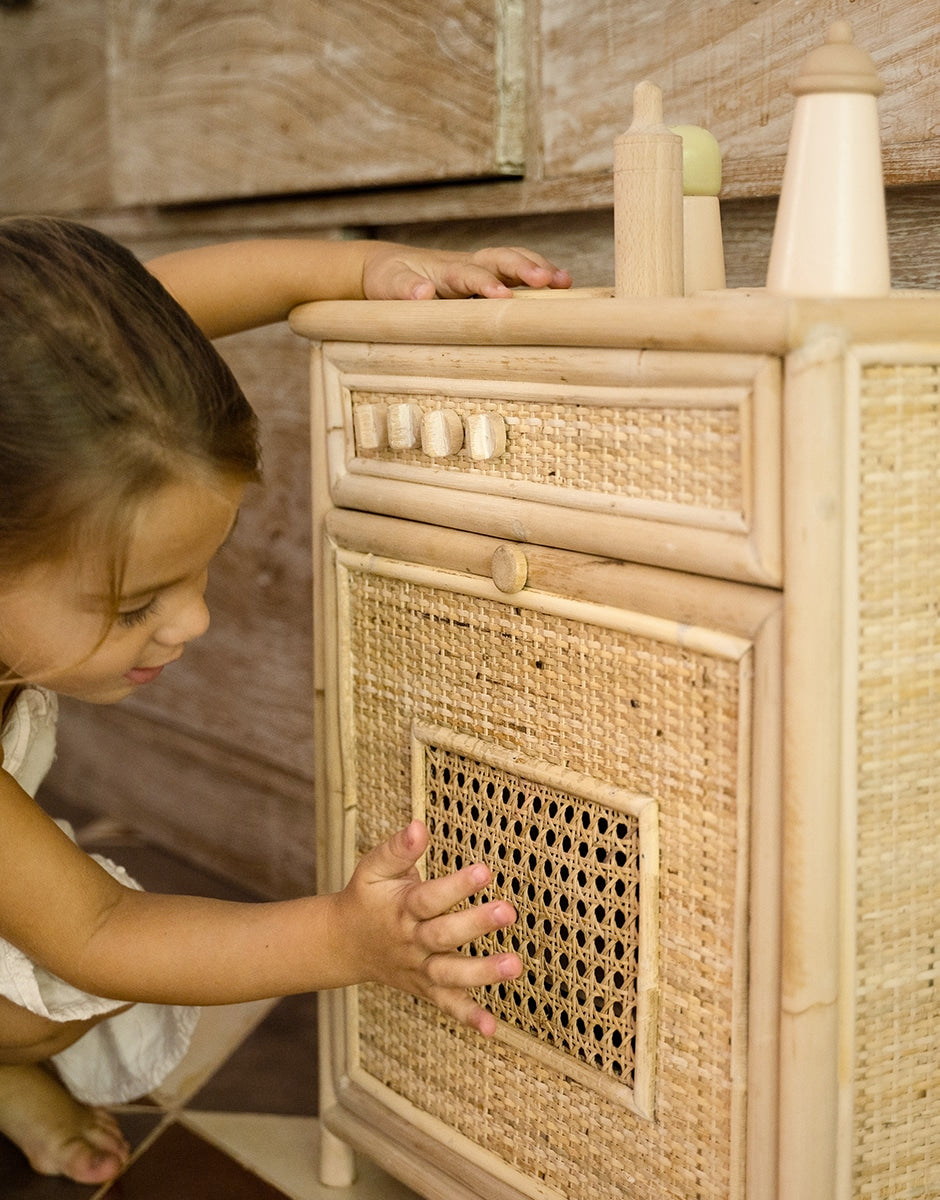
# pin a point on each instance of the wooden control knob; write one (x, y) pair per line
(370, 422)
(509, 568)
(404, 426)
(486, 436)
(441, 433)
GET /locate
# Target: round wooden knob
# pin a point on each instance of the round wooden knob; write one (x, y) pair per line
(403, 427)
(509, 568)
(486, 436)
(441, 433)
(370, 422)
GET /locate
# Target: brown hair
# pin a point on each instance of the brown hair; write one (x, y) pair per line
(108, 391)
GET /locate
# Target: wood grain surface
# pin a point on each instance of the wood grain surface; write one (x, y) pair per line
(221, 99)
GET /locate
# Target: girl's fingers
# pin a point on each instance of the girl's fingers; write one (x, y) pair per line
(466, 1012)
(472, 279)
(433, 897)
(396, 858)
(454, 929)
(461, 971)
(514, 264)
(454, 974)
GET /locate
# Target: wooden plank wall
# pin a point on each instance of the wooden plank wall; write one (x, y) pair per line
(115, 113)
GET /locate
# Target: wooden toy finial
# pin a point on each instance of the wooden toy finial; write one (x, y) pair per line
(838, 66)
(701, 161)
(647, 108)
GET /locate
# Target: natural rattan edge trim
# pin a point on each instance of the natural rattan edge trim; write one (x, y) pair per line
(666, 512)
(848, 810)
(692, 637)
(445, 1135)
(548, 774)
(410, 1144)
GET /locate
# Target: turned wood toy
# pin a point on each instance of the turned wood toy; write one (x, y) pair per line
(830, 237)
(703, 250)
(648, 202)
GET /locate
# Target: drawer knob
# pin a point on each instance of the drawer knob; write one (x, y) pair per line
(370, 422)
(486, 436)
(509, 568)
(441, 433)
(404, 426)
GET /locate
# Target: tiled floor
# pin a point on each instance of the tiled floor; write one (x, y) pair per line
(237, 1119)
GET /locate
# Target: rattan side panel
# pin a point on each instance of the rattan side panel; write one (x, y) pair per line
(644, 714)
(897, 1077)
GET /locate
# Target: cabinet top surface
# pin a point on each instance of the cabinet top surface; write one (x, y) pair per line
(748, 321)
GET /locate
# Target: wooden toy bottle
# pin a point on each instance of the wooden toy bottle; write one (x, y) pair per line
(648, 243)
(830, 237)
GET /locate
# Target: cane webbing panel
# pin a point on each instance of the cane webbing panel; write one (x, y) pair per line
(897, 1076)
(574, 858)
(651, 716)
(674, 454)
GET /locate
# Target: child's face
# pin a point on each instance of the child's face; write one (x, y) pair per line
(54, 624)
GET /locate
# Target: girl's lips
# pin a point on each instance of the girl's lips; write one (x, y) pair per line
(139, 675)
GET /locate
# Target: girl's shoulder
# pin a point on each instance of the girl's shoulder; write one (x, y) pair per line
(27, 738)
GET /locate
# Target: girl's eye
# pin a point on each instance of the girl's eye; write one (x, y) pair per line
(137, 616)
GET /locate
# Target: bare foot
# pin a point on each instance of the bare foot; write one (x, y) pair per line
(58, 1135)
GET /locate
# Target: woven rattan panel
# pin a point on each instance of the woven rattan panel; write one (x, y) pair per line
(897, 1078)
(650, 716)
(575, 859)
(681, 454)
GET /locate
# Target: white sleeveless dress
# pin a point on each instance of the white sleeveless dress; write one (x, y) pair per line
(129, 1054)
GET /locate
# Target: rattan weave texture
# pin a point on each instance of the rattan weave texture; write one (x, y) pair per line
(897, 1076)
(682, 455)
(653, 716)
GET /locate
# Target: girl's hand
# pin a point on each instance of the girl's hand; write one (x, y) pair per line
(402, 930)
(395, 272)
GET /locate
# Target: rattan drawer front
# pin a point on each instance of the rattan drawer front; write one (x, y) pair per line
(601, 760)
(651, 456)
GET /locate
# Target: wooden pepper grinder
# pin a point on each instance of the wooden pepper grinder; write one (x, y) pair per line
(648, 202)
(830, 237)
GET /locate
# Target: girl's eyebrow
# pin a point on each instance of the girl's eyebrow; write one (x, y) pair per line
(142, 593)
(127, 597)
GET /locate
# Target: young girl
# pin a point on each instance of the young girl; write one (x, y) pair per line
(125, 449)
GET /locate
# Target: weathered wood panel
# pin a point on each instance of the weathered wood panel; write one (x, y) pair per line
(239, 818)
(728, 66)
(214, 99)
(53, 106)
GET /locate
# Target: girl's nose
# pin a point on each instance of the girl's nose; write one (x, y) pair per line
(188, 620)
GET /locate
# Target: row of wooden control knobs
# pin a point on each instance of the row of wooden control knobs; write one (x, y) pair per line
(439, 433)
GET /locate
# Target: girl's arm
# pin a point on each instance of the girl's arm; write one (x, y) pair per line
(240, 285)
(386, 925)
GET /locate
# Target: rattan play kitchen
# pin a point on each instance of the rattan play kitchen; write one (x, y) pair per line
(636, 599)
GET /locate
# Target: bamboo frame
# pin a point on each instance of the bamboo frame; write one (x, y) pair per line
(739, 321)
(812, 773)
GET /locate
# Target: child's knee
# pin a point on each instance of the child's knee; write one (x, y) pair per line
(26, 1037)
